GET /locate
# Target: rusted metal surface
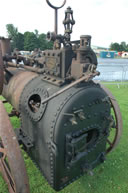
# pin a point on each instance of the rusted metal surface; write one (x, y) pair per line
(1, 71)
(5, 46)
(85, 78)
(13, 90)
(11, 162)
(29, 68)
(118, 126)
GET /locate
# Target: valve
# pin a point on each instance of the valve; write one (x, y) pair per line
(68, 23)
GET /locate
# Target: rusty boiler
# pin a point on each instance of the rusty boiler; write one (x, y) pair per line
(66, 117)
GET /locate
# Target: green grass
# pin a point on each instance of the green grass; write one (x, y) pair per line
(109, 177)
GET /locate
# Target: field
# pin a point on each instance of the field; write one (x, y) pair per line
(110, 177)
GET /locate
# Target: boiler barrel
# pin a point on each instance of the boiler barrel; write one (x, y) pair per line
(68, 133)
(65, 136)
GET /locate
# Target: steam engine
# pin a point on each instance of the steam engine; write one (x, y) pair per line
(65, 116)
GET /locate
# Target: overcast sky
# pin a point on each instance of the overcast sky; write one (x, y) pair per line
(105, 20)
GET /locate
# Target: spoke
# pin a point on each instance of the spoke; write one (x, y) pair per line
(109, 142)
(9, 175)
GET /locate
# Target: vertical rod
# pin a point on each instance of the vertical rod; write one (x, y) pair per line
(56, 21)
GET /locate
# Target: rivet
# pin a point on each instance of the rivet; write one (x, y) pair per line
(89, 104)
(51, 135)
(89, 116)
(95, 114)
(58, 109)
(65, 125)
(84, 129)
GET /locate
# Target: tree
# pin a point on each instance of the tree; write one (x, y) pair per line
(119, 47)
(16, 37)
(27, 41)
(44, 44)
(115, 46)
(30, 41)
(36, 33)
(20, 41)
(124, 46)
(11, 30)
(49, 45)
(12, 34)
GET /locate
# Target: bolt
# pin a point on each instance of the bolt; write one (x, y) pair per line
(81, 116)
(73, 120)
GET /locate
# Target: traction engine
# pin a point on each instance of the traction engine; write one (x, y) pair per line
(66, 117)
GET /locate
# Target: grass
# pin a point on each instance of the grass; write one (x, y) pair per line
(110, 177)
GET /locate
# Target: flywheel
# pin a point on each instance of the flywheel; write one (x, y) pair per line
(1, 71)
(117, 124)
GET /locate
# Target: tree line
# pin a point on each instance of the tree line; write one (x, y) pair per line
(119, 47)
(27, 41)
(31, 40)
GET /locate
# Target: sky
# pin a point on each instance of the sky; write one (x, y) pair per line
(104, 20)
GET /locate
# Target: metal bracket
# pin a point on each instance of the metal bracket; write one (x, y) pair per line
(24, 139)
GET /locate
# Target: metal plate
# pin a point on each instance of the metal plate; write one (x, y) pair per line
(12, 164)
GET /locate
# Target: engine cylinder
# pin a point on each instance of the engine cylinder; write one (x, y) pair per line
(17, 79)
